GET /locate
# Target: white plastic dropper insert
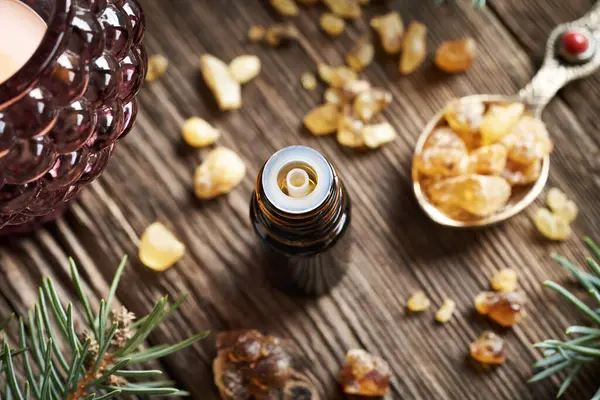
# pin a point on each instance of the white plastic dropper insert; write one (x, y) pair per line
(313, 197)
(298, 183)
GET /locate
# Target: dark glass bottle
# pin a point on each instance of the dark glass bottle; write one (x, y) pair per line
(300, 212)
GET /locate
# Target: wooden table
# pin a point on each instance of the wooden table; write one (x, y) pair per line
(398, 250)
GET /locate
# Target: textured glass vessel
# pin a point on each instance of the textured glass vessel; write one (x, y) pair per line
(63, 111)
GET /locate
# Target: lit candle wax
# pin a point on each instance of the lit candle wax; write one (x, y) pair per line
(21, 32)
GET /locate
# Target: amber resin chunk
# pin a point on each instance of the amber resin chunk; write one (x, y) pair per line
(505, 308)
(561, 206)
(488, 349)
(332, 24)
(220, 172)
(157, 66)
(488, 160)
(519, 174)
(365, 374)
(196, 132)
(371, 102)
(504, 280)
(551, 226)
(528, 142)
(280, 34)
(418, 302)
(479, 195)
(159, 248)
(361, 55)
(390, 29)
(225, 88)
(414, 48)
(444, 314)
(465, 117)
(344, 8)
(251, 366)
(323, 120)
(244, 68)
(287, 8)
(350, 131)
(455, 56)
(499, 121)
(443, 155)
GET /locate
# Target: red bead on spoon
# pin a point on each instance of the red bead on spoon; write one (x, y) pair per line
(574, 42)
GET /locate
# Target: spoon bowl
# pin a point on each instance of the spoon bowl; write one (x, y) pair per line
(520, 198)
(560, 67)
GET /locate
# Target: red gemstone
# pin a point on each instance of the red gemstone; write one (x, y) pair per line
(575, 42)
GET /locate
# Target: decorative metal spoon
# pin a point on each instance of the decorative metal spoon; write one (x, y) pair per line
(572, 52)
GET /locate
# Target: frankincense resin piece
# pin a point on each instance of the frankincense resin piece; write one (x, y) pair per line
(332, 24)
(159, 248)
(280, 34)
(218, 78)
(561, 206)
(286, 8)
(257, 33)
(443, 155)
(505, 308)
(418, 302)
(499, 121)
(504, 280)
(488, 349)
(551, 226)
(371, 102)
(250, 365)
(221, 171)
(455, 56)
(308, 80)
(465, 117)
(414, 48)
(390, 29)
(377, 135)
(519, 174)
(528, 141)
(350, 131)
(197, 132)
(344, 8)
(361, 55)
(157, 66)
(244, 68)
(323, 120)
(488, 160)
(480, 195)
(446, 311)
(365, 374)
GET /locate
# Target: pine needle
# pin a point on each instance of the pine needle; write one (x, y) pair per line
(85, 367)
(585, 349)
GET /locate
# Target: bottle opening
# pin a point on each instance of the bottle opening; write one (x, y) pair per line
(297, 180)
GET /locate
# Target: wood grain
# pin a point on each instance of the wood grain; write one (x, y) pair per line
(399, 250)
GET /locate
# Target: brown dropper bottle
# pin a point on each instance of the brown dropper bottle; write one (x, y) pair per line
(300, 211)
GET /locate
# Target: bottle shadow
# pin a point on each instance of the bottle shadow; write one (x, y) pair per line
(420, 237)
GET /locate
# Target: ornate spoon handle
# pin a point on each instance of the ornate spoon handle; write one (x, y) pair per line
(572, 52)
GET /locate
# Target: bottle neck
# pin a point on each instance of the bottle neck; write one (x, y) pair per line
(305, 232)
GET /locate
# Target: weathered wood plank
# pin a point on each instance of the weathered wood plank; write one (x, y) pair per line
(398, 249)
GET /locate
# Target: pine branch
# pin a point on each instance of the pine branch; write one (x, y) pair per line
(585, 349)
(90, 366)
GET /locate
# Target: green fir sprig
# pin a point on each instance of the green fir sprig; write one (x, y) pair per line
(584, 349)
(99, 364)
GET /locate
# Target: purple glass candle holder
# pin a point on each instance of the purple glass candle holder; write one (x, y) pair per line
(63, 111)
